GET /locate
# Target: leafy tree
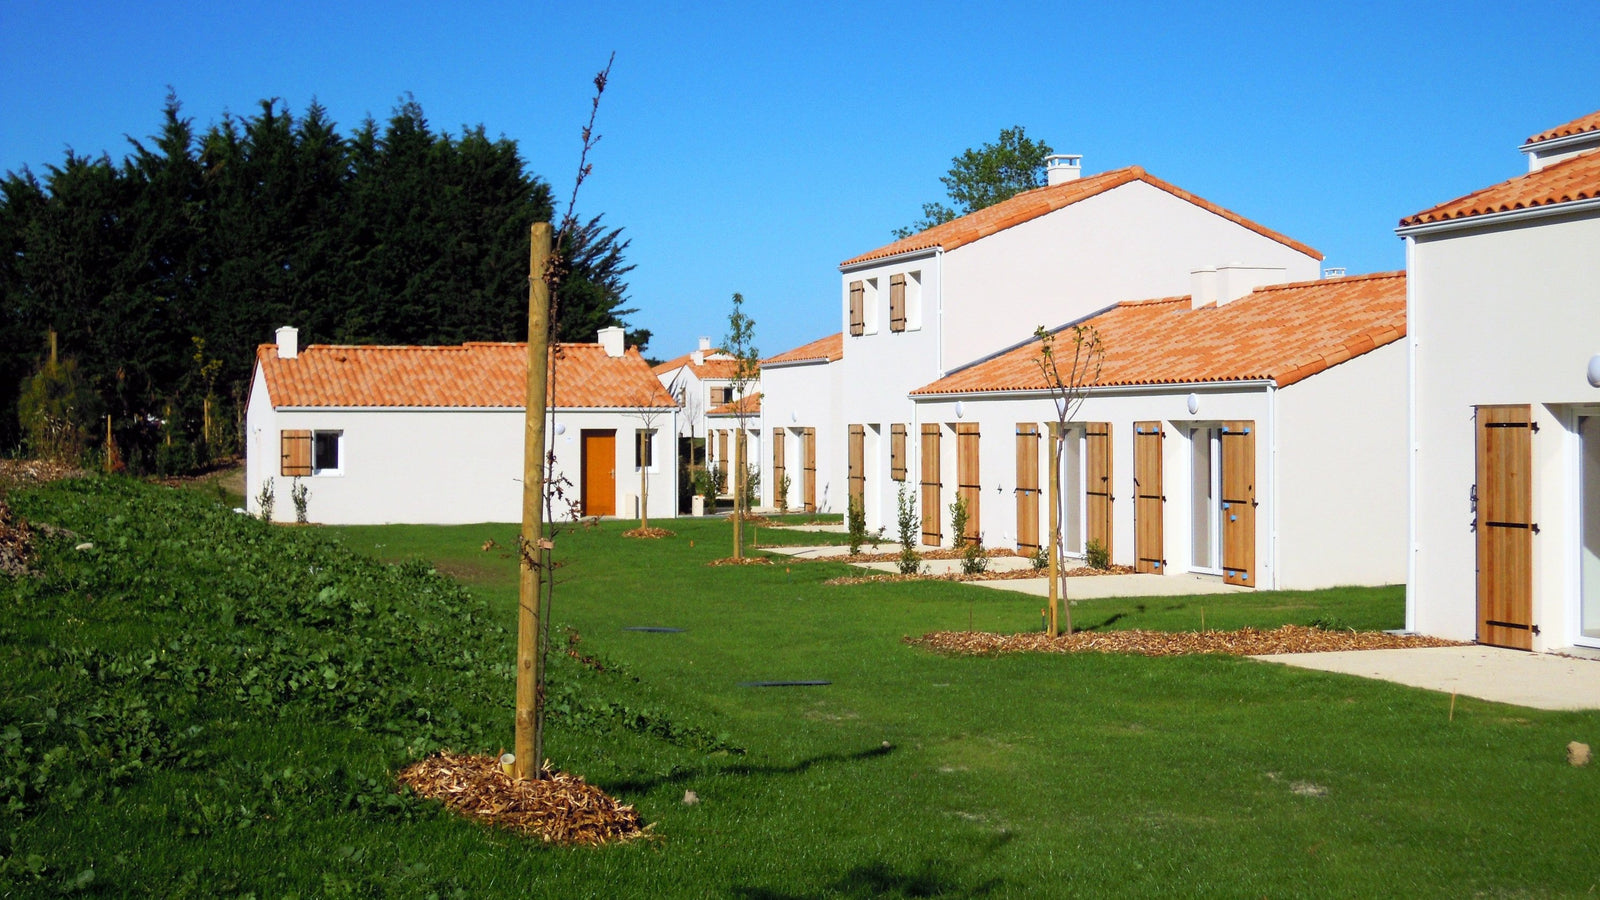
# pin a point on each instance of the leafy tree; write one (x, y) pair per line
(985, 176)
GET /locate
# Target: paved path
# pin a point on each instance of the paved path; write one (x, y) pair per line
(1099, 587)
(1539, 680)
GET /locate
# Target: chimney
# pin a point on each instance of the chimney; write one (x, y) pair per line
(1227, 283)
(1061, 168)
(705, 344)
(611, 339)
(288, 342)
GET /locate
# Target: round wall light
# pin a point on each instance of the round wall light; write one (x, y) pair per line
(1594, 370)
(1194, 404)
(561, 428)
(960, 410)
(794, 415)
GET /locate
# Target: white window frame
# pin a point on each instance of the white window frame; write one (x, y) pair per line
(338, 437)
(1575, 544)
(1212, 433)
(913, 310)
(869, 306)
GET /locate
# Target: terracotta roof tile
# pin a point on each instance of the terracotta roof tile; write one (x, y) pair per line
(1032, 204)
(471, 375)
(1580, 125)
(830, 348)
(749, 405)
(1569, 180)
(714, 364)
(1284, 333)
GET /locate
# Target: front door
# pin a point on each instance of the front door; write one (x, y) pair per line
(1505, 526)
(599, 472)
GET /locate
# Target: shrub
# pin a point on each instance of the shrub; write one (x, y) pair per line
(266, 500)
(910, 563)
(958, 520)
(752, 487)
(1097, 555)
(974, 560)
(781, 499)
(55, 410)
(299, 493)
(856, 521)
(1040, 557)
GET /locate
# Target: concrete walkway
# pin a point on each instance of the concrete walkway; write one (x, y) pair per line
(1539, 680)
(1099, 587)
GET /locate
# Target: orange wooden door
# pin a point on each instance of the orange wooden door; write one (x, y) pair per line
(932, 534)
(968, 483)
(1505, 526)
(1097, 483)
(1027, 486)
(808, 453)
(1239, 503)
(599, 472)
(1148, 501)
(858, 464)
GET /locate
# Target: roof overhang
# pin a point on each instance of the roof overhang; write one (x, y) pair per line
(1250, 384)
(891, 260)
(1557, 143)
(1511, 216)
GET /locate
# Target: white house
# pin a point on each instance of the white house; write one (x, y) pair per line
(1257, 435)
(701, 380)
(921, 307)
(1505, 403)
(800, 391)
(380, 434)
(726, 426)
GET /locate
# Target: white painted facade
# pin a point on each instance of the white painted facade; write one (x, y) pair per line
(1505, 309)
(796, 396)
(1320, 443)
(984, 297)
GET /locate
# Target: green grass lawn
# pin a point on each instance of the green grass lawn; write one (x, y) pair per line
(1009, 776)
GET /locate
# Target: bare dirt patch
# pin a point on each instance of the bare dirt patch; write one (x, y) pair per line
(556, 807)
(1244, 642)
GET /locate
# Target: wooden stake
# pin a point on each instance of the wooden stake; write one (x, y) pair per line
(1452, 706)
(1055, 530)
(529, 742)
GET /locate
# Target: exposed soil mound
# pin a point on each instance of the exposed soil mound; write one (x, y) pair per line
(1244, 642)
(557, 808)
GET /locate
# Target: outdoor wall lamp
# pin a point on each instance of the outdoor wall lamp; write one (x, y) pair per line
(561, 428)
(1594, 370)
(794, 415)
(1194, 399)
(959, 410)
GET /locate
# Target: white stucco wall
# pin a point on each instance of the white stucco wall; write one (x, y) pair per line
(1342, 474)
(795, 397)
(440, 466)
(1507, 314)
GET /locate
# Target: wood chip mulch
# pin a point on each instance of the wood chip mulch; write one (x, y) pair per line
(557, 808)
(651, 532)
(1244, 642)
(34, 471)
(852, 558)
(1013, 575)
(16, 544)
(747, 561)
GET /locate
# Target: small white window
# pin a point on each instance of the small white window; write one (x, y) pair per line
(870, 306)
(913, 311)
(327, 453)
(644, 449)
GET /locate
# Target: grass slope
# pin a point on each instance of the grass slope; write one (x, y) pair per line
(188, 709)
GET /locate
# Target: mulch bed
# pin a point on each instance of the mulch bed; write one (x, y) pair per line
(557, 808)
(936, 553)
(15, 472)
(1013, 575)
(651, 532)
(16, 544)
(1244, 642)
(747, 561)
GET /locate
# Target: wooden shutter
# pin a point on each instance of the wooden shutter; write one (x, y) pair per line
(1027, 486)
(295, 447)
(808, 453)
(932, 535)
(1505, 526)
(722, 448)
(897, 452)
(897, 303)
(1148, 535)
(968, 482)
(858, 468)
(1239, 503)
(779, 498)
(858, 320)
(1097, 483)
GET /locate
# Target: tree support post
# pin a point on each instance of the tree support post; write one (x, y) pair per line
(533, 550)
(1055, 528)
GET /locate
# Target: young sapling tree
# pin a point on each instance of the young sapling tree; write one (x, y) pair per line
(1068, 378)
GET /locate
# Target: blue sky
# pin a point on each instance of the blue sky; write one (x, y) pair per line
(751, 147)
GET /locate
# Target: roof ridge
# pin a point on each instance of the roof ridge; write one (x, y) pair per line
(1342, 279)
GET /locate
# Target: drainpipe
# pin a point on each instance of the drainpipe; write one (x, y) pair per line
(938, 264)
(1411, 437)
(1272, 473)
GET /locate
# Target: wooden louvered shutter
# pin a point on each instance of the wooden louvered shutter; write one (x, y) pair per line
(858, 312)
(1239, 503)
(858, 464)
(1148, 502)
(968, 482)
(1027, 486)
(1505, 526)
(897, 303)
(780, 498)
(1097, 483)
(897, 452)
(932, 535)
(808, 459)
(295, 446)
(722, 448)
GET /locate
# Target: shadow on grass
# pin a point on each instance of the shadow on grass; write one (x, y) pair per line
(933, 878)
(647, 784)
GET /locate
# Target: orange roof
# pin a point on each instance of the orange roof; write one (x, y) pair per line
(1283, 333)
(474, 375)
(709, 367)
(830, 348)
(1577, 178)
(1580, 125)
(749, 404)
(1032, 204)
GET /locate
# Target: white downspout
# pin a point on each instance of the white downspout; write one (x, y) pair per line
(1272, 475)
(938, 263)
(1411, 438)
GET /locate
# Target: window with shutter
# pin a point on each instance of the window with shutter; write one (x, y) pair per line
(858, 315)
(897, 452)
(897, 303)
(858, 469)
